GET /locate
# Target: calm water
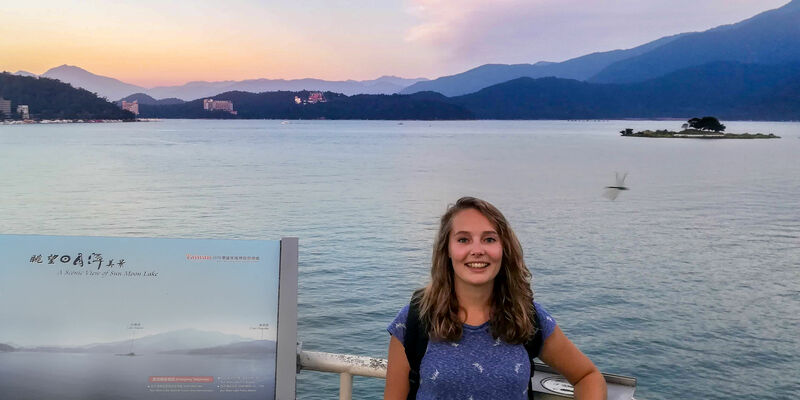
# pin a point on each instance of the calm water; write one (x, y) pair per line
(690, 281)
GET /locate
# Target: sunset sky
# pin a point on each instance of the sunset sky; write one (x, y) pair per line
(152, 43)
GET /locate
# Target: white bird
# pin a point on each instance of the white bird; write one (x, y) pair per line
(611, 192)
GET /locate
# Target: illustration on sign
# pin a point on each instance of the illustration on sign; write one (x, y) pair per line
(93, 317)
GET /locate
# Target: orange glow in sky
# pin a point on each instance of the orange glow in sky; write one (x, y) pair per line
(176, 43)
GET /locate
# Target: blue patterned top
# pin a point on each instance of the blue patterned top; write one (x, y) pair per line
(477, 367)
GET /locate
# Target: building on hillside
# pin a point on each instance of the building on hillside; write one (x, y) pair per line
(316, 97)
(23, 111)
(5, 107)
(132, 107)
(218, 105)
(297, 100)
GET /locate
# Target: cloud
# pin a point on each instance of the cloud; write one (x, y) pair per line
(510, 31)
(443, 21)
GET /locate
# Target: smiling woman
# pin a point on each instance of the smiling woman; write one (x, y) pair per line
(474, 330)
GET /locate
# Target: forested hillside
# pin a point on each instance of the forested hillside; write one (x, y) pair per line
(53, 99)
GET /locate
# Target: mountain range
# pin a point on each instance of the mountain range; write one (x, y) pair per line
(728, 90)
(114, 89)
(282, 105)
(772, 37)
(182, 341)
(746, 70)
(580, 68)
(142, 98)
(252, 348)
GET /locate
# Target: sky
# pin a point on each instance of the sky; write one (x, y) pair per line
(160, 43)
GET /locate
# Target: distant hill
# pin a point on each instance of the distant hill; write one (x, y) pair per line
(542, 98)
(281, 105)
(25, 73)
(145, 99)
(109, 88)
(728, 90)
(194, 90)
(185, 339)
(51, 99)
(6, 348)
(772, 37)
(175, 340)
(250, 348)
(114, 89)
(580, 68)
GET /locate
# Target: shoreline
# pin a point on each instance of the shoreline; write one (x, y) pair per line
(645, 133)
(74, 121)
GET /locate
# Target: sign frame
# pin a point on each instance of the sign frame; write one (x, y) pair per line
(285, 255)
(286, 358)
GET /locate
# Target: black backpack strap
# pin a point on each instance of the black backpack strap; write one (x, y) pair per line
(534, 347)
(415, 343)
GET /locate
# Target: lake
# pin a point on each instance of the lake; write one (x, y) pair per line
(689, 281)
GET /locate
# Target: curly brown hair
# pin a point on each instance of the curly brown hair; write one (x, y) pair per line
(511, 317)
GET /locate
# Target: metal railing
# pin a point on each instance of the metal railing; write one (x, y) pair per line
(347, 365)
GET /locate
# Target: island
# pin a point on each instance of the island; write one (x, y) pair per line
(698, 128)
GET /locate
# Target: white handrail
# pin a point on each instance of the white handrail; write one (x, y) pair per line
(346, 365)
(343, 363)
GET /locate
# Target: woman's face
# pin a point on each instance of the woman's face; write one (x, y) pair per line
(475, 249)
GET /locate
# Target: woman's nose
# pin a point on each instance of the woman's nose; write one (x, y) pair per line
(477, 250)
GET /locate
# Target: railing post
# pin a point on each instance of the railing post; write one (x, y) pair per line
(345, 386)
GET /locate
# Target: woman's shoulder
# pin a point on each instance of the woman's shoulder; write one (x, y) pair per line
(546, 321)
(397, 327)
(403, 312)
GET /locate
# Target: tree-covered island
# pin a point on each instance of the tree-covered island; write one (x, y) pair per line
(699, 128)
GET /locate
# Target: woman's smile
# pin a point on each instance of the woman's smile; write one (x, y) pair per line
(477, 265)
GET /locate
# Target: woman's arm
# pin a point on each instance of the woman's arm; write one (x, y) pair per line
(396, 372)
(561, 354)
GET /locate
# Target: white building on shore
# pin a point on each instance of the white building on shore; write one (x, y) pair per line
(132, 107)
(23, 111)
(218, 105)
(5, 107)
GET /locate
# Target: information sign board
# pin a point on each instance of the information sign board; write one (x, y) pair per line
(146, 318)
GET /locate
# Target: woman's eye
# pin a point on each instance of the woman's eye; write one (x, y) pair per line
(461, 240)
(491, 240)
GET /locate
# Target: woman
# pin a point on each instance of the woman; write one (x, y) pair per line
(478, 311)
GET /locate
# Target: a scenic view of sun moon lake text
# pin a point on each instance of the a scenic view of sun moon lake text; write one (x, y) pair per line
(645, 156)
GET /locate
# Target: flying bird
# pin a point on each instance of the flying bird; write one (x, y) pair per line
(611, 192)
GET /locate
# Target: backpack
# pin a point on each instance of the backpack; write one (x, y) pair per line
(416, 344)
